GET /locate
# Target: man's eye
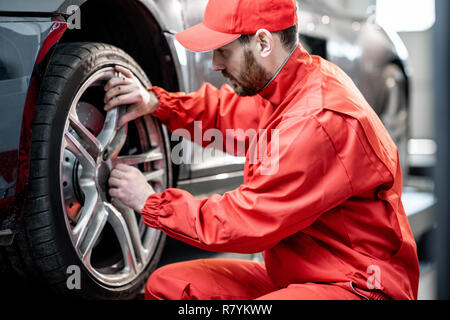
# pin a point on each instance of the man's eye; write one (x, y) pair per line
(221, 52)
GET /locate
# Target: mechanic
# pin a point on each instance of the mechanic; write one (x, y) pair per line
(329, 220)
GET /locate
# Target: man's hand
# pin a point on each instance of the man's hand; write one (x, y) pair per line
(129, 185)
(128, 90)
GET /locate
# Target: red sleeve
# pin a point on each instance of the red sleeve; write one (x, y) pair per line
(209, 108)
(308, 179)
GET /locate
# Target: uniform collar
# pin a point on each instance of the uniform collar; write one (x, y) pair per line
(284, 80)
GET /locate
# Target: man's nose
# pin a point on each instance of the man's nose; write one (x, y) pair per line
(217, 63)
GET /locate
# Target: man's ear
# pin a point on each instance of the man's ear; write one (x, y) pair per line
(264, 43)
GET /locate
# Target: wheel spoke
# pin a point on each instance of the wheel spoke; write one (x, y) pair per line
(109, 128)
(120, 228)
(93, 146)
(150, 156)
(80, 152)
(151, 238)
(114, 147)
(90, 225)
(155, 176)
(112, 136)
(130, 219)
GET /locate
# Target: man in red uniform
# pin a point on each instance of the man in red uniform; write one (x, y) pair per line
(328, 217)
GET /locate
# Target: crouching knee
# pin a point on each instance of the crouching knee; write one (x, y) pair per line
(164, 285)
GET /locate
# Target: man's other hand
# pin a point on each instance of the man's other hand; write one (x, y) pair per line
(128, 90)
(129, 185)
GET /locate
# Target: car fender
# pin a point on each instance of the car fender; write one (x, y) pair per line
(17, 155)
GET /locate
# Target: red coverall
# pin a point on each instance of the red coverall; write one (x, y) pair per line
(330, 221)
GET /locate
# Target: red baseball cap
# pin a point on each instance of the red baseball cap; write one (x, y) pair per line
(226, 20)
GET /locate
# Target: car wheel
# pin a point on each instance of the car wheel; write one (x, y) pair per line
(76, 239)
(394, 110)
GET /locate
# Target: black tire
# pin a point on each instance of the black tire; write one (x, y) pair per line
(43, 244)
(394, 110)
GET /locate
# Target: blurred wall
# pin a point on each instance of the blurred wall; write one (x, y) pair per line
(357, 7)
(419, 45)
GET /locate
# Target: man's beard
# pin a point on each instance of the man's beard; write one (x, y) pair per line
(252, 79)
